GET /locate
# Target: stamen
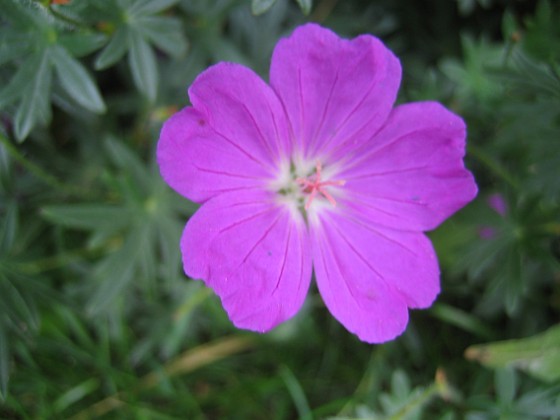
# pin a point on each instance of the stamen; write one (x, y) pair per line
(314, 184)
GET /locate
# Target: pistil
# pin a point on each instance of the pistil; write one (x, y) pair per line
(314, 185)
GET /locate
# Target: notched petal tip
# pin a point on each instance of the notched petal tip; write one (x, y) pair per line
(335, 91)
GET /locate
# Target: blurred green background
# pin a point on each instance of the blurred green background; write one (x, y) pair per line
(97, 319)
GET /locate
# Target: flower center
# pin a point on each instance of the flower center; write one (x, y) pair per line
(313, 185)
(299, 184)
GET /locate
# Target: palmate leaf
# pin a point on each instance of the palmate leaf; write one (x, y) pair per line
(538, 355)
(137, 28)
(139, 234)
(46, 45)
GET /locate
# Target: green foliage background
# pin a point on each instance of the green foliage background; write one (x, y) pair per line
(96, 317)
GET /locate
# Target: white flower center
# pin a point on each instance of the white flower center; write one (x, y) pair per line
(302, 185)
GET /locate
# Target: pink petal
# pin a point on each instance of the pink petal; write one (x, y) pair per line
(253, 253)
(336, 92)
(199, 164)
(369, 275)
(411, 174)
(231, 140)
(242, 109)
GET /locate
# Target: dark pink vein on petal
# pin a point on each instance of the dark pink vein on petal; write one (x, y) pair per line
(253, 216)
(338, 265)
(285, 259)
(356, 204)
(264, 141)
(313, 139)
(275, 124)
(396, 171)
(301, 108)
(347, 118)
(358, 254)
(395, 200)
(376, 232)
(274, 223)
(235, 145)
(362, 157)
(225, 190)
(213, 171)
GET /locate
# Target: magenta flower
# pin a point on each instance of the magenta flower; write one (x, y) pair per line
(315, 172)
(497, 203)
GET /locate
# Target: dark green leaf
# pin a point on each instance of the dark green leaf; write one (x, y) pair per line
(35, 106)
(76, 81)
(88, 216)
(81, 44)
(165, 33)
(114, 51)
(258, 7)
(142, 62)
